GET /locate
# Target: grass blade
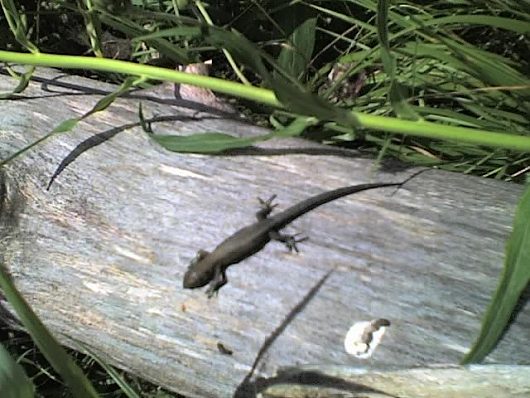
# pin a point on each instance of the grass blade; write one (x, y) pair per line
(396, 91)
(203, 142)
(514, 279)
(52, 350)
(219, 142)
(124, 386)
(13, 381)
(69, 124)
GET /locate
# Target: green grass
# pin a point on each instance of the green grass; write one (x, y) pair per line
(430, 83)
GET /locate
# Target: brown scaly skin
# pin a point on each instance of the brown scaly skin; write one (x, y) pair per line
(210, 267)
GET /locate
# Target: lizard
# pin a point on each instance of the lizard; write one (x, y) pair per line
(210, 267)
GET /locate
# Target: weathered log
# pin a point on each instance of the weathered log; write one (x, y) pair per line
(101, 255)
(484, 381)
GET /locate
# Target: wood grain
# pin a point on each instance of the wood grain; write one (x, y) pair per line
(101, 255)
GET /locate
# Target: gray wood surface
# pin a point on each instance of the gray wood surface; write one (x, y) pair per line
(503, 381)
(101, 255)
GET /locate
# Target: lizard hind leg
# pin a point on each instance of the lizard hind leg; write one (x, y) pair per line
(266, 208)
(290, 241)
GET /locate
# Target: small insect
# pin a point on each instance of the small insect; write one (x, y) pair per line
(223, 350)
(363, 337)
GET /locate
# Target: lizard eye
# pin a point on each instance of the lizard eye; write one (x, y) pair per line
(199, 256)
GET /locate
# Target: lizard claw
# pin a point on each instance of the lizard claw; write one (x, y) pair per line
(291, 242)
(267, 204)
(266, 207)
(211, 292)
(218, 281)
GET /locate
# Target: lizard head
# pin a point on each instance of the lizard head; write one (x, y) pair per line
(193, 279)
(198, 275)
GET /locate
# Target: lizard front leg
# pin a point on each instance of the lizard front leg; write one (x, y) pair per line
(219, 279)
(289, 240)
(266, 208)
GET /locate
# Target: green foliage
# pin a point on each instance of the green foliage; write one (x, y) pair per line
(202, 142)
(299, 24)
(112, 6)
(18, 24)
(125, 387)
(55, 354)
(68, 125)
(415, 62)
(396, 90)
(514, 279)
(13, 381)
(219, 142)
